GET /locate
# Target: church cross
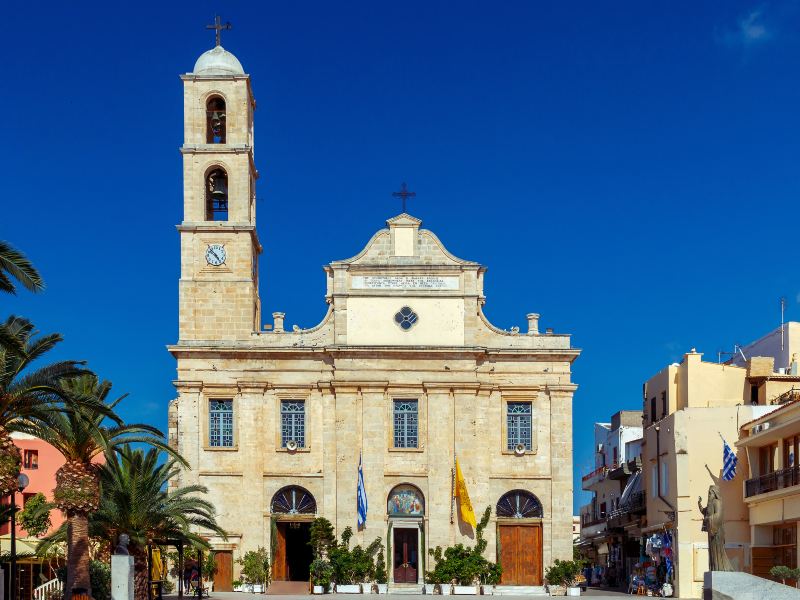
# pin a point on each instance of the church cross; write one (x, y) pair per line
(219, 27)
(404, 194)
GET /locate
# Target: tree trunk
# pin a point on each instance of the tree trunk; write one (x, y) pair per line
(77, 553)
(140, 580)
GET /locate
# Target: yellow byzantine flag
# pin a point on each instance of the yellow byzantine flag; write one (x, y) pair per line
(460, 492)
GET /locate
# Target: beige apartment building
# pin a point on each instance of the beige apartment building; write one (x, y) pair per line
(689, 407)
(403, 372)
(772, 490)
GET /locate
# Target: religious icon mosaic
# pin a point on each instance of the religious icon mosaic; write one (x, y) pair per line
(406, 501)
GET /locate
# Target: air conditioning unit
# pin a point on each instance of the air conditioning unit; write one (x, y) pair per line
(756, 429)
(765, 426)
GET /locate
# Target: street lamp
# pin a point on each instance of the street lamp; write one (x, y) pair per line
(22, 483)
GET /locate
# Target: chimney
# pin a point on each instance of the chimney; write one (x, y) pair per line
(533, 323)
(278, 319)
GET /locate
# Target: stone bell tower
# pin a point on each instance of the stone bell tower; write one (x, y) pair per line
(219, 244)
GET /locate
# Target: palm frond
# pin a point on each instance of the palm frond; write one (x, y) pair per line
(16, 264)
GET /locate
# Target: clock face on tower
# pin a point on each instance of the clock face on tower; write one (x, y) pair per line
(215, 254)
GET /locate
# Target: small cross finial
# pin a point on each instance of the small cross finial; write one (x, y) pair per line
(218, 26)
(404, 194)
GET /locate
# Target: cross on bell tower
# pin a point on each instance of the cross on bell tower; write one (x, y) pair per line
(219, 27)
(404, 194)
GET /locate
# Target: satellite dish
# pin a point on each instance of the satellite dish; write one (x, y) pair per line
(291, 445)
(519, 449)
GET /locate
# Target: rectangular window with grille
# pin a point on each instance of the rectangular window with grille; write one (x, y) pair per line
(519, 417)
(30, 459)
(293, 423)
(220, 423)
(406, 424)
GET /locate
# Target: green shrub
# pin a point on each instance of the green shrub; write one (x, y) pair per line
(465, 565)
(380, 569)
(255, 566)
(782, 572)
(35, 517)
(356, 565)
(321, 572)
(563, 572)
(99, 576)
(322, 537)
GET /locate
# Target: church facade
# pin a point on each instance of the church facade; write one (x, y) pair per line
(404, 373)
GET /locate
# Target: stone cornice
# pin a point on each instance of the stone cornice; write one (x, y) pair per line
(566, 388)
(221, 227)
(216, 149)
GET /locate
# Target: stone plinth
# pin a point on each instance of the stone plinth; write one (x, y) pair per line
(121, 577)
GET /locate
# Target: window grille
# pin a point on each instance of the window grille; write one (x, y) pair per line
(405, 424)
(519, 416)
(293, 422)
(220, 430)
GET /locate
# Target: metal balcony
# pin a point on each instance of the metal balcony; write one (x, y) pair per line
(777, 480)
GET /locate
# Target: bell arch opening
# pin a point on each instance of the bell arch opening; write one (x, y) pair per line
(216, 120)
(217, 195)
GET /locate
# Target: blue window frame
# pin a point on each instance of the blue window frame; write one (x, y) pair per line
(220, 423)
(293, 422)
(406, 424)
(519, 417)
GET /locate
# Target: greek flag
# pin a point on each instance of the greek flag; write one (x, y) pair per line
(729, 461)
(361, 495)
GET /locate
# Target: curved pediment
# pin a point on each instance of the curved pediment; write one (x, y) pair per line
(404, 243)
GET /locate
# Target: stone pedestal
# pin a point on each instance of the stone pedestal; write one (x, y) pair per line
(121, 577)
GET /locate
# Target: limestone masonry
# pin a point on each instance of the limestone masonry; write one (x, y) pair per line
(404, 370)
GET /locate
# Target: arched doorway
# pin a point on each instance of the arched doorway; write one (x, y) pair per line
(519, 531)
(293, 508)
(405, 507)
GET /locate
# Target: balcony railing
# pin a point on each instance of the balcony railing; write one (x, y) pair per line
(636, 502)
(777, 480)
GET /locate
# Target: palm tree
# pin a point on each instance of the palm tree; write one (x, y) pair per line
(81, 437)
(26, 394)
(14, 263)
(136, 501)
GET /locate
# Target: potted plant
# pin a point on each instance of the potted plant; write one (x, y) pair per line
(490, 578)
(381, 577)
(255, 570)
(237, 585)
(561, 578)
(351, 568)
(321, 575)
(782, 572)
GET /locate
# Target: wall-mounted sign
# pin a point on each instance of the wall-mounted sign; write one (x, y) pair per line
(403, 282)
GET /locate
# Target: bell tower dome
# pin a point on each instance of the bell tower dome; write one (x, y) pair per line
(219, 245)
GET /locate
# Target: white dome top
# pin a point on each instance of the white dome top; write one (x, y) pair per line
(217, 61)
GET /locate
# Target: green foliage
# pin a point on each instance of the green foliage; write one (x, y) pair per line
(35, 517)
(322, 537)
(321, 572)
(782, 572)
(99, 575)
(356, 565)
(563, 572)
(210, 565)
(381, 576)
(465, 565)
(15, 265)
(255, 566)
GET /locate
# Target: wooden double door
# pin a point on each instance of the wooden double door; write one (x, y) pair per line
(405, 555)
(293, 554)
(520, 553)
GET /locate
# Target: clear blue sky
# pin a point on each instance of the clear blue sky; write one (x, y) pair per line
(626, 169)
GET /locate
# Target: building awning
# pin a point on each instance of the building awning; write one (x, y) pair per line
(634, 485)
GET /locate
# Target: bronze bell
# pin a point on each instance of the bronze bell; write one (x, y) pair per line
(219, 190)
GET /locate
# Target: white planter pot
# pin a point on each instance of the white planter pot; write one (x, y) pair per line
(556, 590)
(238, 588)
(429, 588)
(318, 589)
(465, 590)
(348, 589)
(258, 588)
(487, 590)
(573, 591)
(444, 588)
(383, 588)
(248, 587)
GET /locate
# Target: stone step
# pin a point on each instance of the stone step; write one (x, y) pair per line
(405, 588)
(520, 590)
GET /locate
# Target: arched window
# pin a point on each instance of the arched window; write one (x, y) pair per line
(293, 500)
(215, 121)
(519, 504)
(217, 195)
(405, 500)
